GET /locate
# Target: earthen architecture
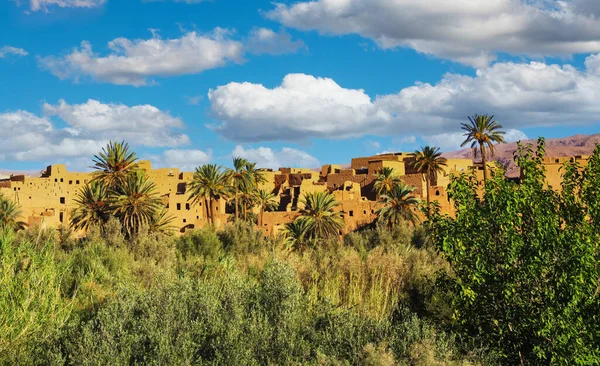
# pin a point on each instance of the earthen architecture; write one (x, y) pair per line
(49, 199)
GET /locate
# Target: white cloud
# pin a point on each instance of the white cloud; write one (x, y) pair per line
(186, 160)
(132, 62)
(142, 124)
(372, 145)
(8, 50)
(44, 5)
(266, 41)
(87, 127)
(303, 106)
(195, 100)
(452, 141)
(520, 95)
(468, 31)
(268, 158)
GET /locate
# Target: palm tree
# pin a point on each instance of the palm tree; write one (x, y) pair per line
(9, 215)
(296, 231)
(93, 206)
(239, 178)
(136, 203)
(209, 183)
(114, 163)
(429, 162)
(319, 212)
(385, 181)
(483, 131)
(161, 223)
(254, 178)
(399, 205)
(265, 200)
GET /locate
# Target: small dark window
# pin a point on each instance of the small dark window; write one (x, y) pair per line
(179, 207)
(557, 160)
(61, 217)
(62, 200)
(365, 212)
(62, 180)
(184, 221)
(197, 217)
(187, 206)
(76, 182)
(55, 180)
(29, 197)
(351, 213)
(437, 193)
(70, 182)
(372, 211)
(15, 188)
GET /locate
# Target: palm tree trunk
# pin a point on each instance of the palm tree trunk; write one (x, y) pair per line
(427, 182)
(482, 148)
(236, 205)
(260, 219)
(212, 211)
(206, 204)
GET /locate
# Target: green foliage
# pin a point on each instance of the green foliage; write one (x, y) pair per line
(10, 214)
(429, 162)
(210, 182)
(525, 260)
(31, 305)
(482, 131)
(93, 206)
(114, 164)
(385, 181)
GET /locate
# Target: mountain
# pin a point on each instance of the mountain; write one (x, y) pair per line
(567, 146)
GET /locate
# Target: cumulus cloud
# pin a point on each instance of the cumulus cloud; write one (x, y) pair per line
(9, 50)
(132, 62)
(303, 106)
(466, 31)
(45, 5)
(186, 160)
(87, 127)
(267, 41)
(266, 157)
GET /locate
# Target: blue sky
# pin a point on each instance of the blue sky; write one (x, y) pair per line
(299, 83)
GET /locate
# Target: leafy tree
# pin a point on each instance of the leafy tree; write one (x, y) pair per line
(254, 178)
(385, 181)
(114, 164)
(209, 183)
(319, 211)
(265, 201)
(429, 162)
(239, 179)
(162, 222)
(93, 206)
(10, 214)
(525, 259)
(482, 131)
(398, 205)
(136, 203)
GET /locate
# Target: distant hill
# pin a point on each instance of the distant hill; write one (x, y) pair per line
(5, 174)
(567, 146)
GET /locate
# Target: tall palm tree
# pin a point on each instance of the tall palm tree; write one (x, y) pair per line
(209, 183)
(254, 177)
(265, 201)
(385, 181)
(429, 162)
(319, 212)
(114, 163)
(93, 206)
(239, 178)
(399, 204)
(482, 130)
(136, 203)
(9, 215)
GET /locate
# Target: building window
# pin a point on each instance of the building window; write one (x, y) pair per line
(179, 207)
(61, 217)
(437, 193)
(76, 182)
(365, 212)
(351, 213)
(184, 221)
(62, 180)
(70, 182)
(55, 180)
(62, 200)
(187, 206)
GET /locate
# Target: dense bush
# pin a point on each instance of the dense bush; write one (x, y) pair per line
(525, 259)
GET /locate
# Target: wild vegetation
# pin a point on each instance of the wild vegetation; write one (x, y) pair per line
(512, 278)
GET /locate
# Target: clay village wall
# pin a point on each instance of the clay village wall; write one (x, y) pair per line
(48, 200)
